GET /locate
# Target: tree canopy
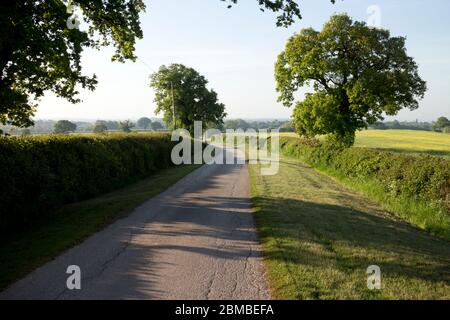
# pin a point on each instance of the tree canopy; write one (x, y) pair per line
(39, 52)
(289, 9)
(144, 122)
(65, 126)
(441, 123)
(358, 74)
(100, 127)
(126, 126)
(236, 124)
(156, 126)
(192, 99)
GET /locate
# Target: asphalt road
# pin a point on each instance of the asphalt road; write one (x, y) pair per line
(197, 240)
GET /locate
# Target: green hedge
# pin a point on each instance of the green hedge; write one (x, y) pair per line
(40, 173)
(414, 176)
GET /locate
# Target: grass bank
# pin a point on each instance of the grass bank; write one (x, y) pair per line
(69, 225)
(319, 238)
(413, 187)
(430, 216)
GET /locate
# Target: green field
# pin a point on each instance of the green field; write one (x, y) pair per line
(408, 141)
(319, 238)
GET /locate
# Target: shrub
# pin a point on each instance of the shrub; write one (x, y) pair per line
(65, 126)
(100, 128)
(40, 173)
(420, 177)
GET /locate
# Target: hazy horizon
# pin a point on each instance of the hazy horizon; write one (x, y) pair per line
(236, 49)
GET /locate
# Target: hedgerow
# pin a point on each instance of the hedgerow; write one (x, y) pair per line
(420, 177)
(40, 173)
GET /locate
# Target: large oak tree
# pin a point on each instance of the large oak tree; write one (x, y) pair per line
(358, 74)
(186, 89)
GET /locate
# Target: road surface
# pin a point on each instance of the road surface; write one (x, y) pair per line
(197, 240)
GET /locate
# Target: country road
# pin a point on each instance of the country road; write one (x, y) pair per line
(196, 240)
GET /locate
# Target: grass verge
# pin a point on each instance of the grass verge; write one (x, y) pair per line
(319, 238)
(72, 223)
(430, 216)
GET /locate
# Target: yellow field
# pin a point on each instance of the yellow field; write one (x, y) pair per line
(409, 141)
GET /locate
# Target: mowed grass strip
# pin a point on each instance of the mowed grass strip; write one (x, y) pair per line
(71, 224)
(319, 238)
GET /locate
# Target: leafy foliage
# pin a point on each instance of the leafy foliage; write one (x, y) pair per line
(236, 124)
(42, 172)
(289, 9)
(404, 125)
(100, 128)
(111, 125)
(65, 126)
(127, 125)
(424, 177)
(441, 123)
(358, 74)
(193, 100)
(156, 126)
(144, 123)
(38, 52)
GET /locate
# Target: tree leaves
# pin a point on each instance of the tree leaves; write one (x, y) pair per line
(289, 9)
(38, 52)
(358, 74)
(193, 100)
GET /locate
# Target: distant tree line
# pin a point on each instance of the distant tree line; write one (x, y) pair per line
(442, 124)
(283, 126)
(99, 126)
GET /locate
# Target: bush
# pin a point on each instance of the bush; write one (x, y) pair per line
(100, 128)
(40, 173)
(419, 177)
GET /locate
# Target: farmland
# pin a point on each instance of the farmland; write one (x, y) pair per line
(171, 181)
(406, 141)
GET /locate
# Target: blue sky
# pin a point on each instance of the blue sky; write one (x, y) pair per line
(236, 49)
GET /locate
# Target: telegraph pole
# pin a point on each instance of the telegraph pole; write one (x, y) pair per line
(173, 107)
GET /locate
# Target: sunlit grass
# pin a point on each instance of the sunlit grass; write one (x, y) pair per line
(407, 141)
(319, 238)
